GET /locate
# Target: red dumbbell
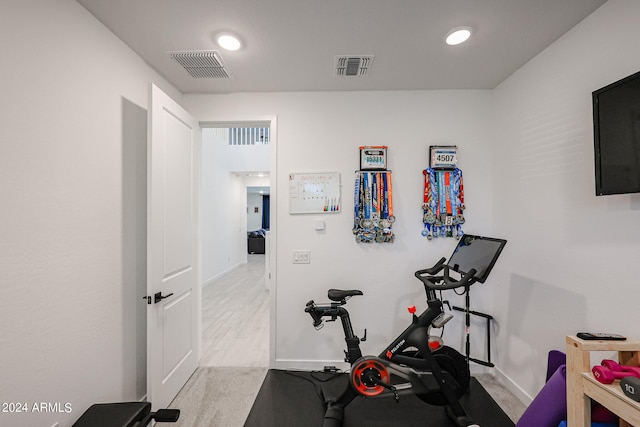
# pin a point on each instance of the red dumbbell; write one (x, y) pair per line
(616, 367)
(607, 376)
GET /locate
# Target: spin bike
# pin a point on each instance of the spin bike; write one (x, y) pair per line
(408, 365)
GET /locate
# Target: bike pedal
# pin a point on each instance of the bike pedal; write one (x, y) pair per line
(441, 319)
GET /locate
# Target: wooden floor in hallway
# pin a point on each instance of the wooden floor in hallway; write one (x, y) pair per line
(235, 317)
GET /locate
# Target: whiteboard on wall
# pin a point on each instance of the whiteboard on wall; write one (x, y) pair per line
(314, 192)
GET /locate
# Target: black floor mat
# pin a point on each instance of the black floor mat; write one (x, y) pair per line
(294, 399)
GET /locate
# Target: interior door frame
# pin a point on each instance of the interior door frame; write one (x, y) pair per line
(272, 241)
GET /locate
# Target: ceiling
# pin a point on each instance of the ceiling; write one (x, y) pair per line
(259, 190)
(291, 45)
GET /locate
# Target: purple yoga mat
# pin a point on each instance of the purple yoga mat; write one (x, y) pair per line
(549, 407)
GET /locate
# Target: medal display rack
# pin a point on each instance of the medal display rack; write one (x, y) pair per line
(443, 197)
(372, 197)
(373, 207)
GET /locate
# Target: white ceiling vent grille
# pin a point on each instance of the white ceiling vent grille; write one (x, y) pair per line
(202, 64)
(353, 65)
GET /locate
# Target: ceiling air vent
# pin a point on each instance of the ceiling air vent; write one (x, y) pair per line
(353, 65)
(202, 64)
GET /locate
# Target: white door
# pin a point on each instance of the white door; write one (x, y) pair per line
(173, 322)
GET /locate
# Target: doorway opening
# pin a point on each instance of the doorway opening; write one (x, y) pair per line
(235, 237)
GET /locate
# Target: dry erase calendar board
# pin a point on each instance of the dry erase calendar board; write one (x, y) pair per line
(314, 192)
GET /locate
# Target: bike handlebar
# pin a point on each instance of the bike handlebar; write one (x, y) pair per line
(310, 308)
(428, 277)
(433, 270)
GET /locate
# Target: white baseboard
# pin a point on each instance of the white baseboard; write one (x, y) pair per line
(475, 369)
(508, 383)
(219, 275)
(309, 365)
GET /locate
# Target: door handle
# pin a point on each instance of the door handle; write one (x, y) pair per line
(159, 297)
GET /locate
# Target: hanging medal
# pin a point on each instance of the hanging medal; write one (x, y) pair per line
(428, 217)
(459, 202)
(356, 204)
(368, 234)
(433, 194)
(384, 222)
(374, 199)
(442, 204)
(365, 222)
(392, 218)
(388, 202)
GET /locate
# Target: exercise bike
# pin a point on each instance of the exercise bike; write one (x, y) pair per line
(438, 376)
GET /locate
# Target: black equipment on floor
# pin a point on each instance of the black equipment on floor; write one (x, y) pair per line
(408, 365)
(125, 414)
(291, 398)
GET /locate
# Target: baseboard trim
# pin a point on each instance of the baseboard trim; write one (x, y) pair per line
(222, 274)
(311, 365)
(510, 385)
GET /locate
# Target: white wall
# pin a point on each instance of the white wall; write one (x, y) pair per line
(408, 122)
(254, 219)
(224, 200)
(224, 204)
(570, 264)
(72, 185)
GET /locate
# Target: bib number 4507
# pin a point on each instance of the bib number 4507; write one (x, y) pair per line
(443, 157)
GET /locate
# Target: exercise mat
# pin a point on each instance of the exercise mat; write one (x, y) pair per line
(295, 399)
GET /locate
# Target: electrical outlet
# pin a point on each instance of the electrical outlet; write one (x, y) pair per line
(301, 257)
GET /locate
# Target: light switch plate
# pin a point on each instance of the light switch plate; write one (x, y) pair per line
(302, 257)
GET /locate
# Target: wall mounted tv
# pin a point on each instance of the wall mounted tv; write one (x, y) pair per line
(616, 130)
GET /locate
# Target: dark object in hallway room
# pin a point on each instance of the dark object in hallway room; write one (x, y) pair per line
(255, 241)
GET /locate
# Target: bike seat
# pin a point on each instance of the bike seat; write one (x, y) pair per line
(340, 295)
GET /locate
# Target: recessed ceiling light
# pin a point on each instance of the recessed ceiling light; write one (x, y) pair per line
(229, 42)
(458, 35)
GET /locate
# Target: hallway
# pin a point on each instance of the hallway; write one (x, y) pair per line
(235, 318)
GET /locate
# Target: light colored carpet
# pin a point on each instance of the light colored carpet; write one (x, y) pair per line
(217, 397)
(508, 402)
(223, 396)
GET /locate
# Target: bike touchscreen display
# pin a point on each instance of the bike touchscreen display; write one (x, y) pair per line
(476, 252)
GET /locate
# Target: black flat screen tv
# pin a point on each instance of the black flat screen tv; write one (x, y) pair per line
(477, 252)
(616, 131)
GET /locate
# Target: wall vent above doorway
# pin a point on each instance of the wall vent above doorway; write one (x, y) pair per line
(353, 65)
(204, 64)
